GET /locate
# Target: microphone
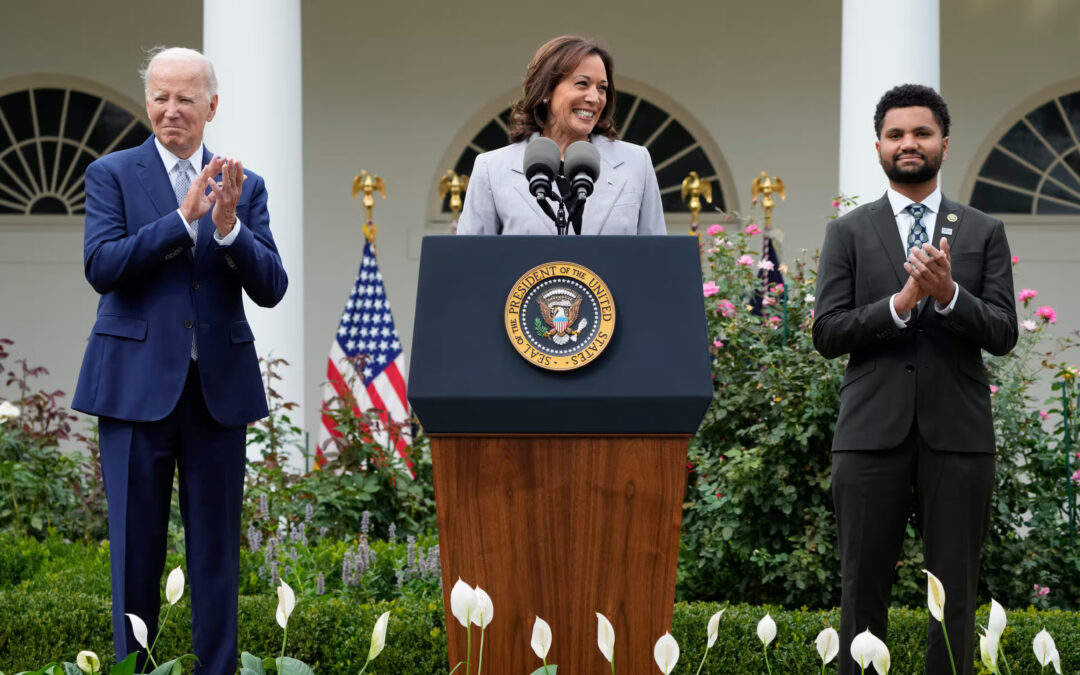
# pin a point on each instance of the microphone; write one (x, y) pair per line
(541, 165)
(582, 167)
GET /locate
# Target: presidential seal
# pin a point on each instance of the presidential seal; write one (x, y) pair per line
(560, 316)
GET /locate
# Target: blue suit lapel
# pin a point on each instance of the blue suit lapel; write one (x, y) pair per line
(150, 172)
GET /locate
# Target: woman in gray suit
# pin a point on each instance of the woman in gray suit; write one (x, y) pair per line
(568, 96)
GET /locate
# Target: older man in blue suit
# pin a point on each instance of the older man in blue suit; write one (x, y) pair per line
(173, 236)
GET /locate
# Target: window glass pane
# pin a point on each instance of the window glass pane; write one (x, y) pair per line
(16, 110)
(1024, 144)
(48, 105)
(1049, 208)
(673, 139)
(1048, 121)
(993, 199)
(1000, 166)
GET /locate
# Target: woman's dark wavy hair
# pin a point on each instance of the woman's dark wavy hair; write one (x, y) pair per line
(908, 96)
(555, 60)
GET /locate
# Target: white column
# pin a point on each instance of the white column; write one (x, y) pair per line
(255, 47)
(884, 43)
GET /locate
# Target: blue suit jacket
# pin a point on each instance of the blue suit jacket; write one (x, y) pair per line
(155, 293)
(626, 199)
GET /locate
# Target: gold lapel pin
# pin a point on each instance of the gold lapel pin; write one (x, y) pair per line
(952, 218)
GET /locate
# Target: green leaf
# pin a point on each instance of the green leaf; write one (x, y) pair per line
(247, 671)
(71, 669)
(252, 663)
(125, 667)
(291, 666)
(550, 670)
(269, 663)
(168, 668)
(35, 522)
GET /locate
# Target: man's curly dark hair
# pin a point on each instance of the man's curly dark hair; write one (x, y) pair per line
(907, 96)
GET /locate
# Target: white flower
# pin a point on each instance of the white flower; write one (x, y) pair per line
(1055, 660)
(1029, 325)
(765, 264)
(378, 636)
(286, 603)
(828, 644)
(138, 629)
(88, 662)
(713, 631)
(8, 411)
(809, 299)
(766, 630)
(666, 653)
(541, 638)
(174, 585)
(484, 610)
(605, 637)
(865, 647)
(988, 648)
(462, 602)
(882, 660)
(1044, 646)
(935, 596)
(996, 624)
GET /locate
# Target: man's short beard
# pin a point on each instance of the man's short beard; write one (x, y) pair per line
(926, 172)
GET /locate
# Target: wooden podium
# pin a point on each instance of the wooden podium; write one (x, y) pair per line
(560, 493)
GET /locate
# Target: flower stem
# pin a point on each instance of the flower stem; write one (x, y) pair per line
(765, 648)
(284, 637)
(948, 648)
(468, 648)
(160, 627)
(1004, 661)
(705, 656)
(480, 657)
(545, 667)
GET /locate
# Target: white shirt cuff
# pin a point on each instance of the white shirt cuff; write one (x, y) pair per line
(192, 232)
(945, 311)
(900, 322)
(230, 237)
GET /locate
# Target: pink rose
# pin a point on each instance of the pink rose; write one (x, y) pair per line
(1047, 312)
(778, 289)
(1043, 415)
(1076, 476)
(768, 301)
(993, 390)
(1015, 259)
(752, 229)
(766, 265)
(1026, 294)
(715, 229)
(746, 260)
(709, 288)
(717, 343)
(726, 308)
(835, 203)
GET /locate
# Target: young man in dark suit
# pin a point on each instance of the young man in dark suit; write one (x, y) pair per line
(913, 287)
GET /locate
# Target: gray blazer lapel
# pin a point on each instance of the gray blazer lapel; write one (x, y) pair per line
(608, 187)
(948, 221)
(884, 223)
(521, 186)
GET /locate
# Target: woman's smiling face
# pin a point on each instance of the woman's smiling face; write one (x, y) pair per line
(577, 101)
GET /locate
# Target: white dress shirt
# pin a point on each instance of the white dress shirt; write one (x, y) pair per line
(904, 223)
(195, 167)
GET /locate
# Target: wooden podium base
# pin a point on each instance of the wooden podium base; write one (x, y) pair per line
(561, 527)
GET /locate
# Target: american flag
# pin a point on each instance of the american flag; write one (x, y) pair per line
(366, 330)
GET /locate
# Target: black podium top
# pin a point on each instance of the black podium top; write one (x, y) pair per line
(653, 377)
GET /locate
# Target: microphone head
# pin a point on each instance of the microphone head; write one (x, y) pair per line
(541, 156)
(582, 157)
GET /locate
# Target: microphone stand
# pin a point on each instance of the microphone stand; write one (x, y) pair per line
(561, 217)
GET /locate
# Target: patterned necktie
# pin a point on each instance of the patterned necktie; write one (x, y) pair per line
(182, 182)
(918, 235)
(180, 188)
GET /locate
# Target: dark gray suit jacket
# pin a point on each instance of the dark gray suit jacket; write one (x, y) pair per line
(932, 370)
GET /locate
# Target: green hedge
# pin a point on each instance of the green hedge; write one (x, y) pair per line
(332, 635)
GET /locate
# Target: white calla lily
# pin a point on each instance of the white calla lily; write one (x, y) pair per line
(88, 662)
(8, 411)
(1043, 646)
(766, 630)
(935, 596)
(462, 602)
(138, 628)
(828, 644)
(605, 637)
(174, 586)
(882, 660)
(285, 605)
(996, 624)
(666, 653)
(378, 636)
(541, 638)
(713, 630)
(484, 610)
(864, 648)
(1055, 661)
(988, 644)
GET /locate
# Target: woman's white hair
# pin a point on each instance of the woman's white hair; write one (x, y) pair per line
(158, 54)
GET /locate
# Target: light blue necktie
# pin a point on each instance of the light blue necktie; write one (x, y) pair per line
(918, 235)
(180, 189)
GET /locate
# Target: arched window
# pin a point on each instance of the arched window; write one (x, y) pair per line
(1033, 168)
(643, 116)
(49, 133)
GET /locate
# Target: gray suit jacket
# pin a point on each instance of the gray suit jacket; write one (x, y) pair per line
(626, 199)
(931, 370)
